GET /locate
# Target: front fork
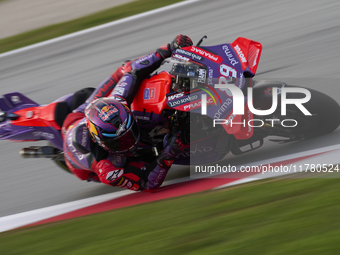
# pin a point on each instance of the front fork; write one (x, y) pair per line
(179, 122)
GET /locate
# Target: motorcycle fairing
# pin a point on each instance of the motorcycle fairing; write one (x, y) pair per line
(223, 67)
(249, 53)
(149, 103)
(227, 63)
(151, 94)
(34, 123)
(239, 127)
(15, 100)
(205, 150)
(39, 116)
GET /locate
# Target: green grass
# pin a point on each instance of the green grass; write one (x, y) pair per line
(295, 216)
(64, 28)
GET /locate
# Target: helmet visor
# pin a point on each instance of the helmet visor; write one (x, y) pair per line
(126, 144)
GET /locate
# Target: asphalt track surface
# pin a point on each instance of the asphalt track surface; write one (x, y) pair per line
(300, 46)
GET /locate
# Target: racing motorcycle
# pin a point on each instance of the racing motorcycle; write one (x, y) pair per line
(192, 92)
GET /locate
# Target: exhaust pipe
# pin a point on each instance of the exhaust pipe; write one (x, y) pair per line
(40, 152)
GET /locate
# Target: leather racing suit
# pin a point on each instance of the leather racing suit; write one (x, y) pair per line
(88, 161)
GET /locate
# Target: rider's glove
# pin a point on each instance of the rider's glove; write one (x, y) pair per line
(180, 41)
(174, 146)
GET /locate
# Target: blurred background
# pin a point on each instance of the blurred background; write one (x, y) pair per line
(300, 45)
(18, 16)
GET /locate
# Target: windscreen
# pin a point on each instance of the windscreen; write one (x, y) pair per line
(187, 75)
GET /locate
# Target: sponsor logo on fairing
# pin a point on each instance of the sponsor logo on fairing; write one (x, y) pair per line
(240, 53)
(256, 56)
(206, 54)
(230, 55)
(29, 114)
(197, 104)
(45, 135)
(202, 74)
(229, 74)
(180, 57)
(210, 77)
(149, 93)
(184, 100)
(241, 80)
(211, 73)
(223, 108)
(190, 54)
(229, 120)
(175, 96)
(15, 99)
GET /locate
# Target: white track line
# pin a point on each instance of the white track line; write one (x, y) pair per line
(326, 149)
(25, 218)
(89, 30)
(29, 217)
(330, 156)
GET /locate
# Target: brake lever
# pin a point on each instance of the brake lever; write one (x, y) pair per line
(200, 41)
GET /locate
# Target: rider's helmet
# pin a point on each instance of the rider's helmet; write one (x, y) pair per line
(112, 125)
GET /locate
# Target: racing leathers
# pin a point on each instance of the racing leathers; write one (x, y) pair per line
(89, 161)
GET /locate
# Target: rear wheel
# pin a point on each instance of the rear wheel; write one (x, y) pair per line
(325, 117)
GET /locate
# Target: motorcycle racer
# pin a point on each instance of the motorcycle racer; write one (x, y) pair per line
(102, 134)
